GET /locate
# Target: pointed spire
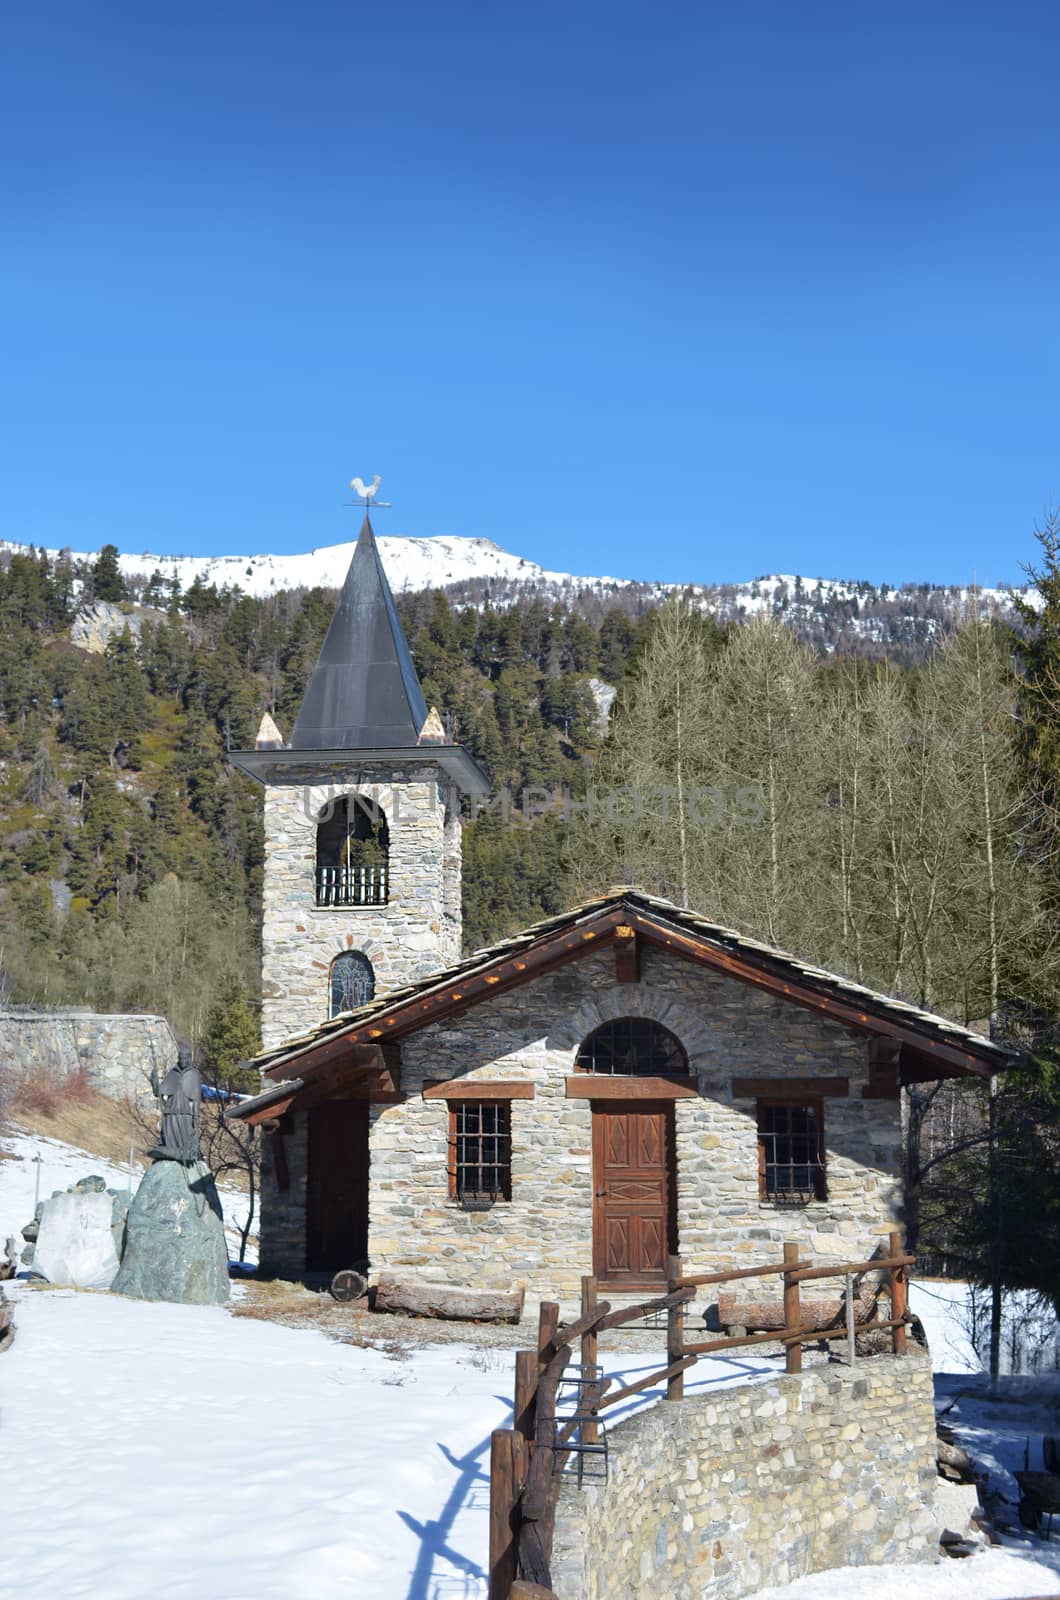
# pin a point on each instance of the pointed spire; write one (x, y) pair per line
(364, 692)
(269, 736)
(433, 730)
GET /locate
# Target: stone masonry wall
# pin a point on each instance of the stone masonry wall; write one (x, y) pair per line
(720, 1495)
(415, 933)
(542, 1237)
(115, 1050)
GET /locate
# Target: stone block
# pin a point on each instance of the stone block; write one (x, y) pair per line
(75, 1244)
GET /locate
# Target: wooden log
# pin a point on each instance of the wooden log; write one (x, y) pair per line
(675, 1332)
(521, 1590)
(534, 1555)
(535, 1499)
(839, 1269)
(507, 1473)
(348, 1285)
(571, 1332)
(9, 1264)
(757, 1315)
(792, 1310)
(667, 1375)
(441, 1300)
(527, 1371)
(590, 1433)
(898, 1291)
(547, 1323)
(752, 1314)
(701, 1280)
(952, 1456)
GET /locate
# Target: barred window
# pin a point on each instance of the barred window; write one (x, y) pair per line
(632, 1047)
(791, 1168)
(480, 1150)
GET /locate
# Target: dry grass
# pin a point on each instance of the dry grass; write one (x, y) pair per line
(90, 1120)
(295, 1306)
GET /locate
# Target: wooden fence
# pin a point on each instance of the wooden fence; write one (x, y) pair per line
(526, 1461)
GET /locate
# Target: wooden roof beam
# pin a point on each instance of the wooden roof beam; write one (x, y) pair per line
(851, 1013)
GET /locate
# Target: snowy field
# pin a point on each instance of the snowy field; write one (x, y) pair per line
(63, 1164)
(176, 1451)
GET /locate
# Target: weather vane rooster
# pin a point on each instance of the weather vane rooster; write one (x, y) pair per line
(366, 494)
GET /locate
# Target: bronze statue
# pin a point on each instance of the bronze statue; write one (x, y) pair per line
(180, 1094)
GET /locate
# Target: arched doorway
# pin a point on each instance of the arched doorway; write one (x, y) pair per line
(634, 1164)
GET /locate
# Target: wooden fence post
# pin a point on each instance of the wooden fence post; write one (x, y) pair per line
(675, 1331)
(792, 1311)
(527, 1368)
(547, 1323)
(590, 1431)
(898, 1292)
(507, 1476)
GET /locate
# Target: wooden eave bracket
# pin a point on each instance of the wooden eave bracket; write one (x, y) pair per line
(627, 954)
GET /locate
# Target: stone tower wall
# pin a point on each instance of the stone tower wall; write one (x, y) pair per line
(417, 931)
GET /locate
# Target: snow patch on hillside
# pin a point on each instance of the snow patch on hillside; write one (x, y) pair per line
(439, 562)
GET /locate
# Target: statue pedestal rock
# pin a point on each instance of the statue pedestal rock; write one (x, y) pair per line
(175, 1245)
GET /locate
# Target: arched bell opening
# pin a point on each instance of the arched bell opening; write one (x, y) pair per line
(353, 854)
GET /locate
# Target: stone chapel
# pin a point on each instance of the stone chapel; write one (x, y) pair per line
(623, 1082)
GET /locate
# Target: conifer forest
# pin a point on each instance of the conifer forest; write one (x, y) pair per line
(889, 813)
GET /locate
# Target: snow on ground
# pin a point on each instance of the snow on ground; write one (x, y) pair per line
(63, 1164)
(180, 1452)
(941, 1309)
(994, 1575)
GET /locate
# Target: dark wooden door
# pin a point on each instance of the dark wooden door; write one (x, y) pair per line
(634, 1210)
(337, 1187)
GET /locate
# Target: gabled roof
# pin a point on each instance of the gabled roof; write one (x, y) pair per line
(364, 692)
(937, 1047)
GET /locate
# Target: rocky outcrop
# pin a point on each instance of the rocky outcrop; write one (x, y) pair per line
(97, 624)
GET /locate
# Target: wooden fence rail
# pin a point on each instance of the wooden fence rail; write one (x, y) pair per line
(527, 1460)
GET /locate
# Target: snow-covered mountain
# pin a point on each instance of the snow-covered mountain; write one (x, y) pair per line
(410, 564)
(481, 568)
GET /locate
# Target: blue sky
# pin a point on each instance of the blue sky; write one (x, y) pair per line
(686, 291)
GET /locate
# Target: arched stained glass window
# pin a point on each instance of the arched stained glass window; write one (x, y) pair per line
(352, 982)
(632, 1047)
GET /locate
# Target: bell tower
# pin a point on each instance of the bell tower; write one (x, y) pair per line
(362, 821)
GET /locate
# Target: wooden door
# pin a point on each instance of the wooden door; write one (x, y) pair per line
(634, 1211)
(337, 1187)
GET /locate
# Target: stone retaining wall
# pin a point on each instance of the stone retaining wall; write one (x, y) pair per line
(116, 1050)
(717, 1496)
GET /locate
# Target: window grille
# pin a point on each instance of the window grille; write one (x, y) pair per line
(791, 1166)
(352, 982)
(632, 1047)
(480, 1150)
